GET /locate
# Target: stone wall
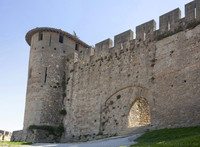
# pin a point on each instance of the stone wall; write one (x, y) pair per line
(150, 82)
(5, 136)
(102, 92)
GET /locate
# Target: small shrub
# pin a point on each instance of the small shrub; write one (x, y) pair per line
(86, 135)
(139, 104)
(154, 60)
(119, 96)
(68, 60)
(50, 129)
(167, 34)
(64, 82)
(179, 29)
(100, 133)
(162, 36)
(64, 95)
(111, 102)
(152, 78)
(72, 70)
(192, 25)
(55, 87)
(68, 80)
(61, 129)
(79, 137)
(63, 112)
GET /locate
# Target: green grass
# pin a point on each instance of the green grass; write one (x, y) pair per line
(11, 144)
(177, 137)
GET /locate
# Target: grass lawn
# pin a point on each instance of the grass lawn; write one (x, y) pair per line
(177, 137)
(11, 144)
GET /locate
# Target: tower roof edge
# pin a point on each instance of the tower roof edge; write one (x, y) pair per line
(59, 31)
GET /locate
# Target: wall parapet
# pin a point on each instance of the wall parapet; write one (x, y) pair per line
(144, 29)
(123, 37)
(169, 24)
(103, 46)
(168, 21)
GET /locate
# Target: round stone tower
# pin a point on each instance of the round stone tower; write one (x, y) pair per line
(48, 50)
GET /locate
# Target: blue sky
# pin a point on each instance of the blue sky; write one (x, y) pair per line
(92, 20)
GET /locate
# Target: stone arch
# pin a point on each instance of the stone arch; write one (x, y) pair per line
(116, 109)
(139, 113)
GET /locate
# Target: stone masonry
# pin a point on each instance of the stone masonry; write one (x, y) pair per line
(5, 135)
(79, 93)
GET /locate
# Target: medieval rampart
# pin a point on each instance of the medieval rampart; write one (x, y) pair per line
(115, 88)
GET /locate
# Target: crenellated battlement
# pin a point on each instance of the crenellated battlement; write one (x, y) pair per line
(169, 21)
(169, 24)
(122, 38)
(144, 29)
(103, 46)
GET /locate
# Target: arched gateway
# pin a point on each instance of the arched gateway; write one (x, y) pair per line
(128, 108)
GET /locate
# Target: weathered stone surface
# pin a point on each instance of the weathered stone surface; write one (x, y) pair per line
(136, 85)
(5, 135)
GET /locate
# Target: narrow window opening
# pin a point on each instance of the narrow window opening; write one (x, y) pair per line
(76, 47)
(61, 38)
(40, 37)
(45, 76)
(121, 46)
(50, 41)
(144, 36)
(195, 13)
(30, 73)
(168, 27)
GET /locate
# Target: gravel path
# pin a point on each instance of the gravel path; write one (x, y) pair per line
(111, 142)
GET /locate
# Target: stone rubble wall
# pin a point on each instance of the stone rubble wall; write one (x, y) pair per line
(5, 135)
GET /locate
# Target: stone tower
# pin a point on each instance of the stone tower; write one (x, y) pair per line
(48, 50)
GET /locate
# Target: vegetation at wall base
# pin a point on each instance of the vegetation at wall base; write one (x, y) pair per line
(56, 131)
(176, 137)
(50, 129)
(10, 144)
